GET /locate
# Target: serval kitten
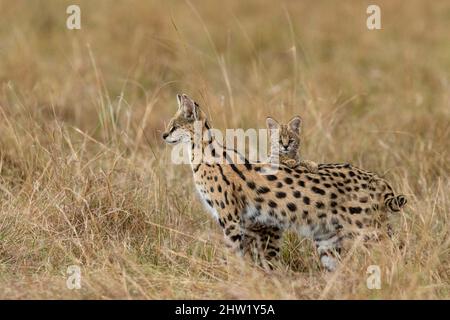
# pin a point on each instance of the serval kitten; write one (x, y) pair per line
(285, 146)
(331, 207)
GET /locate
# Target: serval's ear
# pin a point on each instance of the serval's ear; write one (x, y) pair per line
(295, 124)
(272, 124)
(188, 107)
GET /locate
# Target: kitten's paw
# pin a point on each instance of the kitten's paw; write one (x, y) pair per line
(290, 163)
(311, 166)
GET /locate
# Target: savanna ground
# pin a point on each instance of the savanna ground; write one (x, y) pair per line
(86, 180)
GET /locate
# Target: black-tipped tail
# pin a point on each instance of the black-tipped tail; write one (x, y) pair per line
(395, 203)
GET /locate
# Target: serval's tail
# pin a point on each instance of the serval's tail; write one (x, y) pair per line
(395, 203)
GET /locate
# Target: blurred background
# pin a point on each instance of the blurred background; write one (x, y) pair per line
(86, 179)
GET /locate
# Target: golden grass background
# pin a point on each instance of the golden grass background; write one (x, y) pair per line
(86, 180)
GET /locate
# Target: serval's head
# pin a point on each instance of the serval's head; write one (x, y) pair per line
(287, 142)
(187, 119)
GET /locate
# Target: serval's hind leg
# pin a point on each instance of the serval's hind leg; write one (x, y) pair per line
(263, 243)
(329, 248)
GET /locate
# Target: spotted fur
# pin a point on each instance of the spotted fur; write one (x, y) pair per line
(331, 207)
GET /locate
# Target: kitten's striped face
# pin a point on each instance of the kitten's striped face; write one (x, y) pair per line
(287, 142)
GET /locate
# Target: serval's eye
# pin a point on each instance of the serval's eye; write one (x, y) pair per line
(291, 140)
(173, 129)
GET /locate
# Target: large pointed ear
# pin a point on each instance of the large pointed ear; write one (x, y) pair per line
(272, 124)
(295, 124)
(188, 106)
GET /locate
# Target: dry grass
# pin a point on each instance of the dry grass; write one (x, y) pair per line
(86, 180)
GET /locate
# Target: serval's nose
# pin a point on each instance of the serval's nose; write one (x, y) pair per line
(165, 135)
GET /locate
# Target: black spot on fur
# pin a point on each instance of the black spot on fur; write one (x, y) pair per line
(291, 206)
(320, 205)
(280, 195)
(235, 238)
(318, 190)
(272, 204)
(364, 199)
(287, 170)
(355, 210)
(262, 190)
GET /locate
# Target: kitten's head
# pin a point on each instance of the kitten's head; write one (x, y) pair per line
(287, 142)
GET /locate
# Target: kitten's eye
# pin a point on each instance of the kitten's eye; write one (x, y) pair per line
(291, 140)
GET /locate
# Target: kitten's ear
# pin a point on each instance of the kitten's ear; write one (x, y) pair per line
(272, 124)
(295, 124)
(188, 106)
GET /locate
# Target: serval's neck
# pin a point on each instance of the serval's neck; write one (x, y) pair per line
(208, 151)
(201, 146)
